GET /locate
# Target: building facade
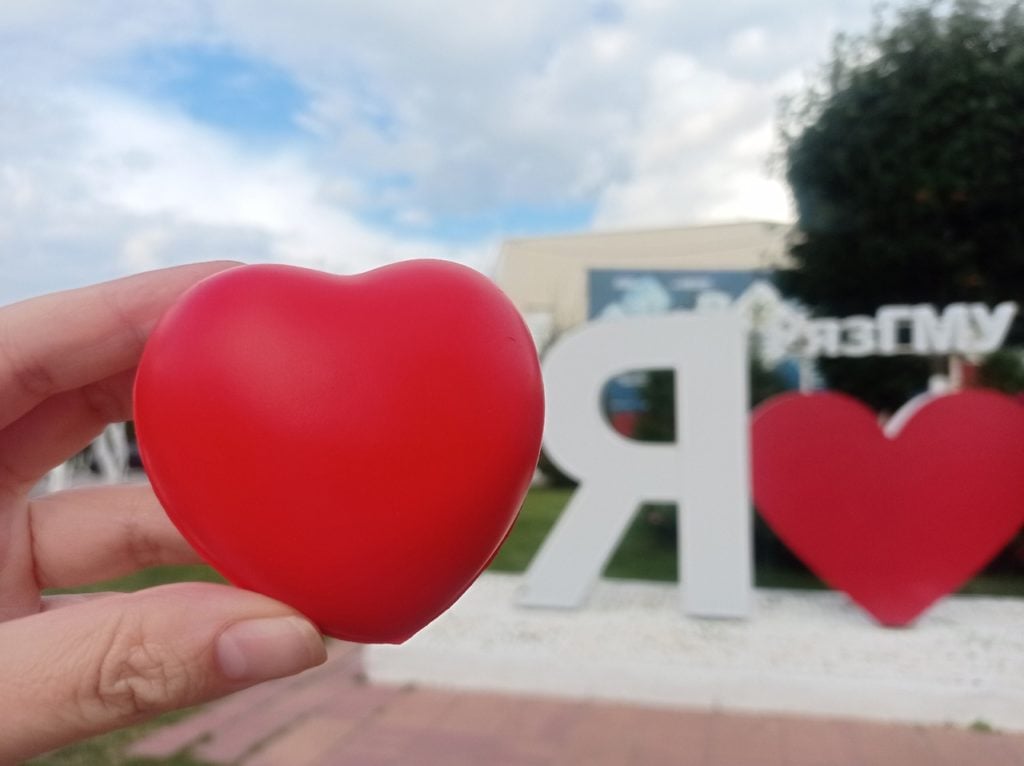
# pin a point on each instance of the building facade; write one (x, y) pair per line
(558, 282)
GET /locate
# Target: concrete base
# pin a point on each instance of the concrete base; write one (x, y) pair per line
(803, 652)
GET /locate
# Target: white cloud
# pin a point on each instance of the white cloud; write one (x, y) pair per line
(552, 103)
(649, 112)
(748, 43)
(154, 164)
(141, 187)
(700, 153)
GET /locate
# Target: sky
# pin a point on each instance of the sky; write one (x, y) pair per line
(346, 135)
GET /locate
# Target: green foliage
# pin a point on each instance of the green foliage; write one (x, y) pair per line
(906, 162)
(883, 383)
(657, 423)
(1003, 371)
(764, 383)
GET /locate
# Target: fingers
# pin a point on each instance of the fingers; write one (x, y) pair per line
(60, 427)
(67, 340)
(86, 535)
(107, 663)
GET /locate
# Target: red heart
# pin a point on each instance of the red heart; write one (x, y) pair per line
(895, 522)
(357, 447)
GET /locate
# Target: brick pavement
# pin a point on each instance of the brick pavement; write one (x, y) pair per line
(331, 717)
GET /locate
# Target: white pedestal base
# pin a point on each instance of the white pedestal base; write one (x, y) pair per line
(802, 652)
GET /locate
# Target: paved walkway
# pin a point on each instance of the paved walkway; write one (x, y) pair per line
(330, 716)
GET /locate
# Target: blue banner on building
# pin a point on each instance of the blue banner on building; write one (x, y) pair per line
(616, 293)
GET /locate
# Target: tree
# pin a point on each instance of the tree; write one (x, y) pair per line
(906, 162)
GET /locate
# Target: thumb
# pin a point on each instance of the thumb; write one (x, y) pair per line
(109, 662)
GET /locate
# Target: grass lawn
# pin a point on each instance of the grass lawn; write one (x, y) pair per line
(108, 750)
(649, 553)
(644, 554)
(147, 578)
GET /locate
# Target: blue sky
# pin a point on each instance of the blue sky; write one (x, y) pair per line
(244, 96)
(347, 135)
(260, 106)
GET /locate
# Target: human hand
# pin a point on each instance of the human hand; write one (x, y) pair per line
(75, 666)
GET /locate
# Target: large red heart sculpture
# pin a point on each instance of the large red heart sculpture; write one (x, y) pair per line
(895, 522)
(357, 447)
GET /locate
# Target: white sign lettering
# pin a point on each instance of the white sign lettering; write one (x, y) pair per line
(961, 328)
(702, 472)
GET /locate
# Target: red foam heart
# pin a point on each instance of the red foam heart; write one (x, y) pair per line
(895, 522)
(357, 447)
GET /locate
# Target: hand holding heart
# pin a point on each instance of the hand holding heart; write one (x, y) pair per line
(357, 447)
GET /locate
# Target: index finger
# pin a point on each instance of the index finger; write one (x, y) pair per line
(67, 340)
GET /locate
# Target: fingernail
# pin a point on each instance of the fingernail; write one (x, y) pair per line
(258, 650)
